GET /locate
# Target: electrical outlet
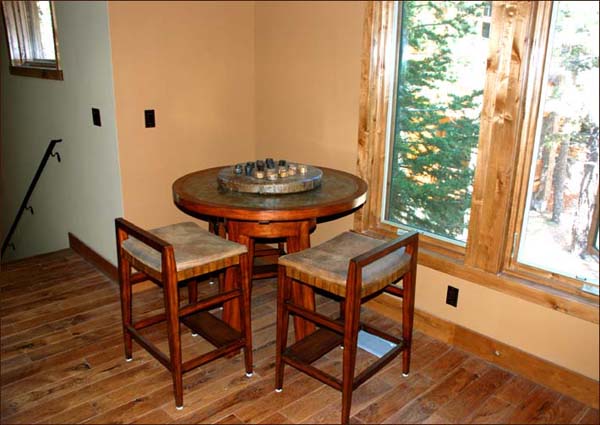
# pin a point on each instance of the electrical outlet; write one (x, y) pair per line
(149, 118)
(96, 117)
(452, 296)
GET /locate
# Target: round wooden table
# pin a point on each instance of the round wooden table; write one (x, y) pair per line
(292, 217)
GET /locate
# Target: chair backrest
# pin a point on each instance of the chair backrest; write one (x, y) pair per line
(167, 272)
(383, 265)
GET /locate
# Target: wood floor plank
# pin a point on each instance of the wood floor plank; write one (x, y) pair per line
(293, 389)
(460, 408)
(62, 361)
(67, 312)
(90, 404)
(427, 404)
(436, 419)
(424, 354)
(536, 408)
(225, 405)
(361, 397)
(156, 416)
(494, 410)
(46, 297)
(476, 365)
(392, 401)
(49, 328)
(230, 419)
(565, 410)
(218, 381)
(139, 406)
(51, 405)
(444, 364)
(516, 390)
(590, 416)
(314, 401)
(276, 418)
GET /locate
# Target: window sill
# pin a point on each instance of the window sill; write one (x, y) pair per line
(48, 74)
(578, 306)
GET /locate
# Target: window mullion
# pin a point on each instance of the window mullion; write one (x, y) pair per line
(378, 47)
(498, 135)
(540, 32)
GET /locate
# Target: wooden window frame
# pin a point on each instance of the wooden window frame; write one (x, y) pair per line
(50, 70)
(525, 160)
(506, 120)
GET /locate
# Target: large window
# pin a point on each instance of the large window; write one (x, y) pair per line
(560, 219)
(32, 43)
(479, 127)
(442, 52)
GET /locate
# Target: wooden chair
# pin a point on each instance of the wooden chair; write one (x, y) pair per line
(355, 267)
(168, 255)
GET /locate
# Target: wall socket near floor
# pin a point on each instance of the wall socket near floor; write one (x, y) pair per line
(452, 296)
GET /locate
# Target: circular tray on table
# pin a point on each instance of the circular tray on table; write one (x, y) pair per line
(228, 180)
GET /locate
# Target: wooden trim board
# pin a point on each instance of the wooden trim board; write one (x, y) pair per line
(580, 387)
(102, 264)
(93, 257)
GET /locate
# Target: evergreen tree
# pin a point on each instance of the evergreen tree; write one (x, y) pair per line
(435, 135)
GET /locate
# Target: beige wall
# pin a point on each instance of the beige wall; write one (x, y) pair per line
(193, 63)
(307, 85)
(546, 333)
(279, 79)
(233, 99)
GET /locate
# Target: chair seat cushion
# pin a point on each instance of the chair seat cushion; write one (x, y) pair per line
(326, 266)
(192, 246)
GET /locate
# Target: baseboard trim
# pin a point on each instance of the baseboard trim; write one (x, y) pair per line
(575, 385)
(103, 265)
(93, 257)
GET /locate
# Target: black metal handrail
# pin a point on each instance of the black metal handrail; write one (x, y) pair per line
(24, 205)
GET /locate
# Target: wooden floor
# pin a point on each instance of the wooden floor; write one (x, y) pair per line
(62, 362)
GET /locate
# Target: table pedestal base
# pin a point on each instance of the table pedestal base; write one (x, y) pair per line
(297, 237)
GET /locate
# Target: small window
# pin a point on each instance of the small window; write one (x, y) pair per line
(32, 43)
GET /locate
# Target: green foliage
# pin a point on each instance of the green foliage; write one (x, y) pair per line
(436, 131)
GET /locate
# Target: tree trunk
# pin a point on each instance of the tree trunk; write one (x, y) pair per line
(586, 204)
(539, 199)
(559, 178)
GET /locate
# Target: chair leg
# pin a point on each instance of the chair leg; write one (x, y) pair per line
(126, 304)
(218, 227)
(283, 295)
(192, 289)
(351, 325)
(171, 295)
(246, 322)
(408, 310)
(251, 250)
(342, 308)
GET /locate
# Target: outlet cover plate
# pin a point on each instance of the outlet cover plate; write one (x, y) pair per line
(452, 296)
